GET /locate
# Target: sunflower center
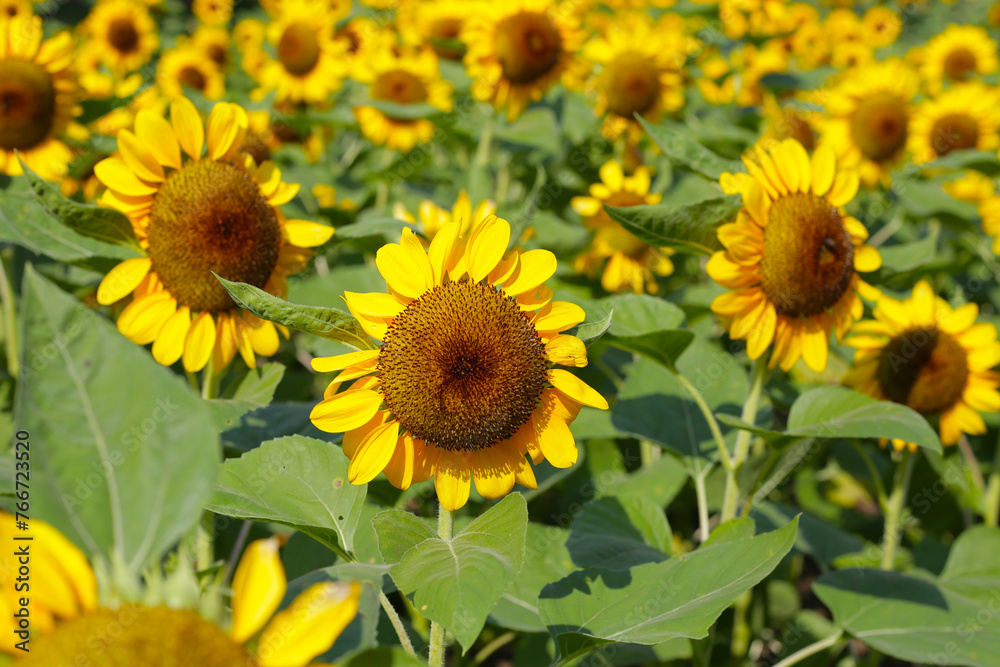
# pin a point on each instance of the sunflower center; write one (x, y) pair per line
(959, 63)
(399, 86)
(808, 257)
(192, 77)
(133, 635)
(954, 132)
(528, 45)
(462, 367)
(210, 216)
(122, 35)
(632, 85)
(791, 125)
(925, 369)
(443, 33)
(218, 54)
(878, 126)
(298, 49)
(27, 104)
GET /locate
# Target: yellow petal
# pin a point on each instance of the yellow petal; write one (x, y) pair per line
(187, 126)
(534, 268)
(487, 246)
(815, 345)
(373, 453)
(199, 343)
(227, 126)
(405, 267)
(866, 259)
(122, 279)
(399, 470)
(138, 158)
(493, 472)
(612, 175)
(566, 350)
(346, 411)
(451, 480)
(559, 316)
(169, 344)
(553, 436)
(824, 168)
(306, 234)
(259, 585)
(576, 389)
(845, 186)
(342, 361)
(142, 319)
(310, 625)
(116, 174)
(155, 133)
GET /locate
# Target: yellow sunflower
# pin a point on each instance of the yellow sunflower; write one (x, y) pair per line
(437, 24)
(628, 263)
(959, 53)
(989, 212)
(248, 36)
(407, 77)
(215, 211)
(213, 12)
(213, 43)
(309, 62)
(187, 67)
(868, 118)
(930, 357)
(432, 218)
(640, 72)
(963, 116)
(792, 256)
(971, 186)
(125, 33)
(462, 385)
(787, 122)
(70, 626)
(362, 36)
(517, 50)
(13, 9)
(37, 98)
(880, 26)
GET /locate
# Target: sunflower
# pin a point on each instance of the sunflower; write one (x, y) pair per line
(963, 116)
(787, 122)
(309, 62)
(437, 24)
(216, 212)
(930, 357)
(404, 78)
(517, 50)
(213, 43)
(971, 186)
(869, 118)
(792, 256)
(14, 9)
(37, 98)
(248, 36)
(958, 54)
(432, 218)
(361, 36)
(880, 26)
(629, 264)
(125, 33)
(71, 627)
(187, 67)
(989, 212)
(640, 72)
(461, 386)
(213, 12)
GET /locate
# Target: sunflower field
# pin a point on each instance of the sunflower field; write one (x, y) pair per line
(499, 332)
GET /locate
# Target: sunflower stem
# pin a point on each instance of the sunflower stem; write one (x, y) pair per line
(894, 509)
(435, 656)
(970, 458)
(210, 382)
(9, 323)
(810, 650)
(397, 624)
(713, 424)
(485, 141)
(702, 497)
(205, 553)
(992, 497)
(883, 500)
(731, 498)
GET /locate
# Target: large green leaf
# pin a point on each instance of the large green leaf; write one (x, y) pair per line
(688, 227)
(535, 128)
(926, 199)
(457, 582)
(254, 391)
(618, 533)
(645, 325)
(675, 140)
(651, 603)
(296, 481)
(325, 322)
(405, 111)
(986, 162)
(125, 454)
(909, 256)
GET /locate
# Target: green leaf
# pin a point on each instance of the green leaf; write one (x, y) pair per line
(295, 481)
(103, 224)
(328, 323)
(535, 128)
(823, 541)
(643, 325)
(986, 162)
(739, 528)
(909, 256)
(389, 228)
(654, 602)
(591, 332)
(120, 466)
(254, 391)
(674, 139)
(926, 199)
(689, 227)
(663, 347)
(399, 111)
(457, 582)
(398, 532)
(618, 533)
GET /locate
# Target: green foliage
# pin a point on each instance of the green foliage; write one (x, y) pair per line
(689, 227)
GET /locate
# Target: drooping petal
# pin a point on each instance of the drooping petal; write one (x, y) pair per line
(345, 411)
(259, 585)
(576, 389)
(121, 280)
(373, 453)
(310, 625)
(199, 343)
(306, 234)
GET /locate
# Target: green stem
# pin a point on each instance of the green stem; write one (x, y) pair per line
(397, 623)
(9, 323)
(205, 554)
(812, 649)
(740, 641)
(872, 472)
(713, 424)
(992, 497)
(970, 458)
(731, 498)
(492, 647)
(894, 509)
(435, 657)
(702, 496)
(485, 141)
(210, 382)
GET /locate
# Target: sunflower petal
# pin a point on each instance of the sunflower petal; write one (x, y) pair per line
(345, 411)
(199, 343)
(187, 126)
(576, 389)
(259, 585)
(306, 234)
(373, 453)
(310, 625)
(122, 279)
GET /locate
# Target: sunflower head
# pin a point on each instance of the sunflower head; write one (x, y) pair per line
(125, 33)
(963, 116)
(959, 53)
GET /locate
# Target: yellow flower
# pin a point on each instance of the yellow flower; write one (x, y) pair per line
(188, 67)
(629, 264)
(964, 116)
(516, 50)
(432, 218)
(124, 33)
(38, 93)
(972, 187)
(437, 24)
(462, 385)
(403, 78)
(215, 211)
(868, 118)
(787, 122)
(959, 53)
(16, 9)
(213, 43)
(989, 211)
(248, 35)
(213, 12)
(792, 256)
(935, 359)
(880, 26)
(361, 36)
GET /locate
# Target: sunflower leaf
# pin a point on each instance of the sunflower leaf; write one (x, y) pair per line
(400, 111)
(676, 143)
(590, 332)
(689, 228)
(328, 323)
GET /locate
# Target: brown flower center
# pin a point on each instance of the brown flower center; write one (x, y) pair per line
(925, 369)
(462, 367)
(255, 146)
(791, 125)
(808, 257)
(878, 126)
(192, 77)
(399, 86)
(122, 35)
(134, 635)
(443, 35)
(211, 217)
(959, 63)
(218, 54)
(528, 45)
(632, 85)
(298, 49)
(954, 132)
(27, 104)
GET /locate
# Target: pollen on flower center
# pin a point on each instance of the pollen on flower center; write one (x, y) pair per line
(954, 132)
(462, 367)
(122, 35)
(298, 49)
(925, 369)
(808, 257)
(527, 45)
(633, 85)
(959, 63)
(210, 216)
(878, 126)
(27, 104)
